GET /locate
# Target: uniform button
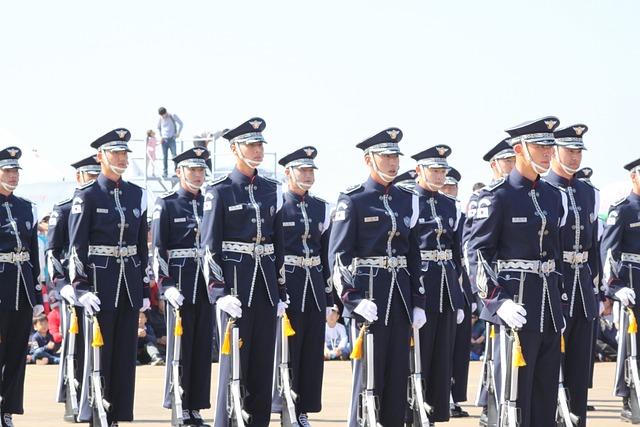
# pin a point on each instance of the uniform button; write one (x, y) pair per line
(582, 227)
(573, 227)
(118, 260)
(397, 233)
(579, 208)
(396, 214)
(310, 219)
(393, 251)
(262, 219)
(444, 231)
(544, 253)
(380, 197)
(390, 198)
(126, 226)
(264, 238)
(253, 239)
(310, 251)
(253, 220)
(546, 232)
(580, 247)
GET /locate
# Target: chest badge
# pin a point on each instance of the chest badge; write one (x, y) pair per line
(28, 224)
(451, 222)
(136, 212)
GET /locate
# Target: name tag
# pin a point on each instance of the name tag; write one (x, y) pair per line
(179, 219)
(235, 208)
(101, 210)
(371, 219)
(634, 225)
(519, 219)
(288, 224)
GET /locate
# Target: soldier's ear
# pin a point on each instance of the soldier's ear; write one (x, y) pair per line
(518, 149)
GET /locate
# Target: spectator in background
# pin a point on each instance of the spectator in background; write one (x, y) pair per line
(158, 321)
(169, 128)
(43, 349)
(148, 352)
(336, 344)
(53, 317)
(477, 338)
(152, 143)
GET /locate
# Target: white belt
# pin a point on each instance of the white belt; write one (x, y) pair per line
(575, 257)
(115, 251)
(14, 257)
(381, 262)
(300, 261)
(248, 248)
(635, 258)
(527, 266)
(184, 253)
(436, 255)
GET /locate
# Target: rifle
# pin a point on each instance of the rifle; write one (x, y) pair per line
(71, 383)
(631, 376)
(176, 389)
(99, 405)
(367, 400)
(564, 416)
(238, 416)
(289, 397)
(489, 380)
(415, 392)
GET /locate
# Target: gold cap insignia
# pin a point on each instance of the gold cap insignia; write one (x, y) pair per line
(393, 133)
(256, 124)
(309, 151)
(442, 150)
(13, 152)
(587, 172)
(198, 151)
(550, 123)
(121, 133)
(579, 130)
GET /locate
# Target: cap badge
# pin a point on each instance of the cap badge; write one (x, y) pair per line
(442, 150)
(121, 133)
(309, 151)
(13, 152)
(198, 151)
(550, 123)
(579, 130)
(587, 172)
(393, 133)
(413, 173)
(256, 124)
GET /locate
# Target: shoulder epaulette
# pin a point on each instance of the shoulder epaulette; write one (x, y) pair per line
(25, 199)
(450, 196)
(407, 190)
(495, 185)
(217, 181)
(87, 184)
(556, 186)
(64, 202)
(352, 188)
(618, 202)
(317, 198)
(271, 180)
(590, 184)
(136, 185)
(167, 194)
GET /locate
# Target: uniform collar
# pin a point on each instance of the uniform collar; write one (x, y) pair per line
(425, 192)
(519, 181)
(4, 198)
(106, 182)
(296, 196)
(372, 184)
(185, 193)
(633, 197)
(557, 179)
(236, 175)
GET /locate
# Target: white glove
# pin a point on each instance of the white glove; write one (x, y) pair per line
(474, 307)
(419, 318)
(626, 296)
(90, 302)
(282, 307)
(368, 310)
(459, 316)
(146, 304)
(230, 305)
(68, 293)
(38, 309)
(512, 314)
(174, 296)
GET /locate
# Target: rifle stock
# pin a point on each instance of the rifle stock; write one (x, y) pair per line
(99, 405)
(289, 397)
(176, 384)
(415, 394)
(71, 384)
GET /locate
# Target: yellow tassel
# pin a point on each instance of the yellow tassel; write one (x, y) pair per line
(561, 343)
(518, 358)
(226, 344)
(239, 342)
(73, 327)
(288, 329)
(178, 329)
(492, 333)
(412, 343)
(633, 325)
(97, 334)
(356, 353)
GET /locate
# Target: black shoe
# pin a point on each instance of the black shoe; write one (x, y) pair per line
(457, 412)
(196, 419)
(7, 420)
(303, 420)
(484, 417)
(591, 408)
(626, 415)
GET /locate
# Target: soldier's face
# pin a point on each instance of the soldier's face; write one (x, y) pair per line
(541, 154)
(449, 189)
(434, 176)
(253, 151)
(506, 164)
(10, 176)
(116, 158)
(387, 163)
(569, 157)
(195, 176)
(304, 175)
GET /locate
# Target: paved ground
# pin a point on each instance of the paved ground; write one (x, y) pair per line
(42, 411)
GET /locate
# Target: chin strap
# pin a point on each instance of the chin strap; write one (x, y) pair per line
(301, 185)
(186, 181)
(383, 176)
(8, 187)
(500, 171)
(431, 186)
(115, 169)
(250, 163)
(565, 168)
(536, 167)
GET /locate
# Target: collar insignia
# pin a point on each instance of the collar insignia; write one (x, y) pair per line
(393, 133)
(121, 133)
(256, 124)
(579, 130)
(309, 151)
(550, 123)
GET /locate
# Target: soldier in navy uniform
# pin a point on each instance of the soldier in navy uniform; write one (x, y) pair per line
(518, 225)
(581, 263)
(244, 249)
(620, 256)
(305, 221)
(107, 265)
(57, 252)
(21, 293)
(439, 240)
(373, 241)
(462, 343)
(177, 259)
(502, 159)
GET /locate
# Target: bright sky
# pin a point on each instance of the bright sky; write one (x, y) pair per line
(328, 73)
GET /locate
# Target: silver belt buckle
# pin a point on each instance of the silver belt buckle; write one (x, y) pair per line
(578, 257)
(392, 262)
(258, 250)
(545, 267)
(441, 255)
(307, 262)
(123, 251)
